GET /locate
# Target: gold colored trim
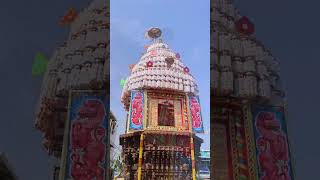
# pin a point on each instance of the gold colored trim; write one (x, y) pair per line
(234, 152)
(191, 138)
(145, 110)
(251, 148)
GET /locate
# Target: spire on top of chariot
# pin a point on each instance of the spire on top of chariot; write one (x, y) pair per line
(154, 34)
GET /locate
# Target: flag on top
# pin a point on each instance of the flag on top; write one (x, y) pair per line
(244, 26)
(39, 64)
(69, 17)
(122, 82)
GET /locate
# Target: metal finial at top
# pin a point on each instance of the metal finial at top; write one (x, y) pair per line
(153, 33)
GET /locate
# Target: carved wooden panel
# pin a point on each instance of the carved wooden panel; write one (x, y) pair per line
(177, 113)
(153, 112)
(166, 113)
(180, 110)
(220, 148)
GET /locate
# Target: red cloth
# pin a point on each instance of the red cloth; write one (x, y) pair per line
(244, 26)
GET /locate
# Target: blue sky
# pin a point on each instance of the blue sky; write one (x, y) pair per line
(186, 29)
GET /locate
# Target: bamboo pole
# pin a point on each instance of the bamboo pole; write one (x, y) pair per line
(65, 141)
(140, 156)
(291, 152)
(193, 159)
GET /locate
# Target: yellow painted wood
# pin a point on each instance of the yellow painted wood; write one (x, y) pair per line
(140, 156)
(191, 139)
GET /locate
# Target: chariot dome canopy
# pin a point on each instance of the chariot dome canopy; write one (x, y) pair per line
(159, 68)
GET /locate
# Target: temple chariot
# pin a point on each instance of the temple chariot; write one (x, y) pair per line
(160, 96)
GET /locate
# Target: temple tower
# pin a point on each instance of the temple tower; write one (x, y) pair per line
(160, 96)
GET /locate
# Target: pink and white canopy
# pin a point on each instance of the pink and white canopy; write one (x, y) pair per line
(159, 68)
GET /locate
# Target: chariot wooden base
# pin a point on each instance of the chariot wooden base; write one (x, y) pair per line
(165, 155)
